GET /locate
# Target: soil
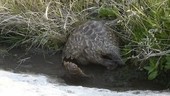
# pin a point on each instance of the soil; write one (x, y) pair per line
(49, 63)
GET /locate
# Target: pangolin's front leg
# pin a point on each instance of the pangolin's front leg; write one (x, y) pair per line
(73, 69)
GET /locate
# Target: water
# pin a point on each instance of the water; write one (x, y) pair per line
(27, 84)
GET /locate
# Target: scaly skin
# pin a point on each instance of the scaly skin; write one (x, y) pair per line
(73, 69)
(91, 43)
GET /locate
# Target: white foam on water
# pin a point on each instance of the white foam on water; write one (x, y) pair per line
(17, 84)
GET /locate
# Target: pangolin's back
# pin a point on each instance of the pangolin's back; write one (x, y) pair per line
(90, 43)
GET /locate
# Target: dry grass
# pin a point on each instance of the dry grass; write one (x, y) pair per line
(46, 24)
(40, 23)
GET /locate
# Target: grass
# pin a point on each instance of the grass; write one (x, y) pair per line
(148, 22)
(39, 23)
(47, 23)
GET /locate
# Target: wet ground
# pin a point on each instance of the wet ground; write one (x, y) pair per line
(49, 64)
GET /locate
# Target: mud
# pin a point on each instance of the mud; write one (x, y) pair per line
(38, 61)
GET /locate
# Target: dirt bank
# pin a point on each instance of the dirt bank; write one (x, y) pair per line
(49, 63)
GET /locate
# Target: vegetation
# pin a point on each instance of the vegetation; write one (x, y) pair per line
(47, 23)
(148, 22)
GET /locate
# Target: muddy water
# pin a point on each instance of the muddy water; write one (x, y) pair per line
(35, 71)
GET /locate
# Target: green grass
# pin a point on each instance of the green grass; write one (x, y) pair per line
(47, 23)
(148, 23)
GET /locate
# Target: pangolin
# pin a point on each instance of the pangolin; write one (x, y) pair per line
(91, 43)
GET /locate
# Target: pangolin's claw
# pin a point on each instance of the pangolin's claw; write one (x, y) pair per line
(73, 69)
